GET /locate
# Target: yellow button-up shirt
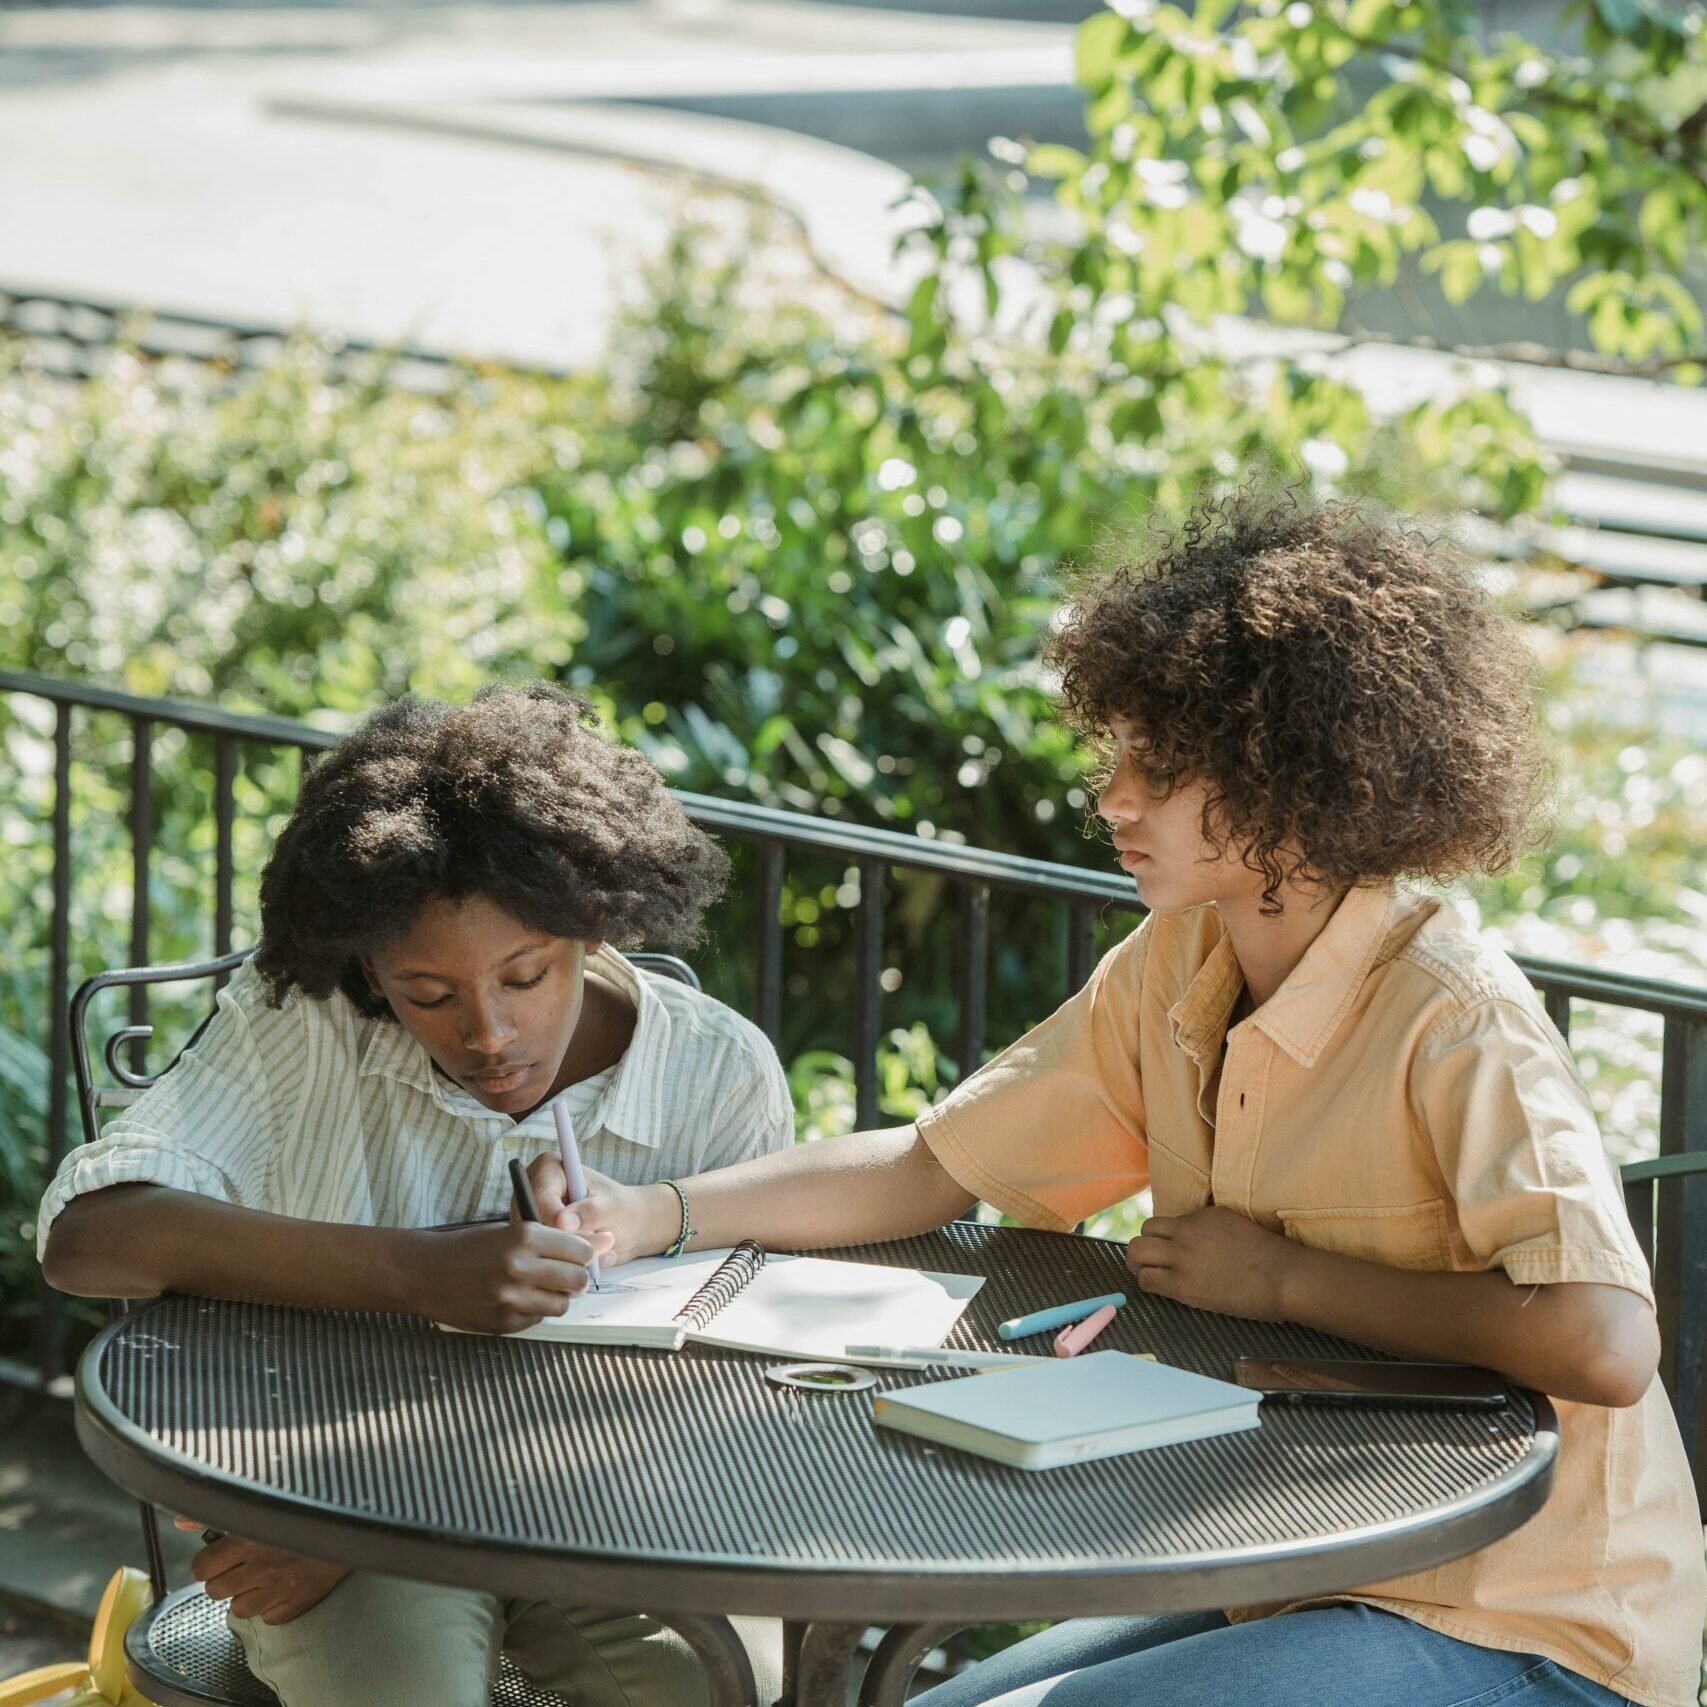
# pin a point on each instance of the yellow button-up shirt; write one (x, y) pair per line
(1402, 1098)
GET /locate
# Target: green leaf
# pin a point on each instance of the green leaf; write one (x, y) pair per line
(1606, 325)
(1460, 268)
(1055, 160)
(1684, 307)
(1113, 106)
(1097, 48)
(1369, 17)
(921, 306)
(1587, 291)
(1661, 221)
(24, 1070)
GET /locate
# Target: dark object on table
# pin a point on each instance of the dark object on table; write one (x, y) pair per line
(1356, 1381)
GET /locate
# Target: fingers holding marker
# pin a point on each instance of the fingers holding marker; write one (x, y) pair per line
(550, 1188)
(554, 1260)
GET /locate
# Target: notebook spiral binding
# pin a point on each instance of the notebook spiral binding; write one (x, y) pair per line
(732, 1274)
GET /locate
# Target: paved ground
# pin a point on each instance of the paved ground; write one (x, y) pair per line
(24, 1645)
(485, 179)
(63, 1530)
(27, 1642)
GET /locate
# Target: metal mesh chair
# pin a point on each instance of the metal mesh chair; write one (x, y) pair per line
(178, 1651)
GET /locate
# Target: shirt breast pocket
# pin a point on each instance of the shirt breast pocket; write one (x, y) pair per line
(1177, 1186)
(1405, 1235)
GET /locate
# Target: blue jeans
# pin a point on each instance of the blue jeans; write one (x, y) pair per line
(1346, 1652)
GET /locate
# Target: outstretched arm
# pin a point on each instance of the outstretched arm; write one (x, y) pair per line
(861, 1188)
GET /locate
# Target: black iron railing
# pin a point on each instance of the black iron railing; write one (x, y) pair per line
(974, 872)
(71, 337)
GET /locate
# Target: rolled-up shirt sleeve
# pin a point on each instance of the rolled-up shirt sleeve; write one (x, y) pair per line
(1511, 1125)
(1052, 1129)
(207, 1126)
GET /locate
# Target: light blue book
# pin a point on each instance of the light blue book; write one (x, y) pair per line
(1070, 1410)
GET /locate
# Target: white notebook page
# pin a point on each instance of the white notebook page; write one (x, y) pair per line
(794, 1306)
(649, 1293)
(813, 1307)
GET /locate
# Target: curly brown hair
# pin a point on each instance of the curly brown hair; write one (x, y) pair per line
(515, 797)
(1355, 705)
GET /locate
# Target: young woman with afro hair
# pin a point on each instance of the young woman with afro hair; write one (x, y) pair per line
(1351, 1110)
(439, 964)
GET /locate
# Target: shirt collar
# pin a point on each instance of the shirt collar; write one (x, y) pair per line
(391, 1053)
(1199, 1017)
(1308, 1007)
(627, 1103)
(1319, 991)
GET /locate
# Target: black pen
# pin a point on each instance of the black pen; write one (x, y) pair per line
(519, 1183)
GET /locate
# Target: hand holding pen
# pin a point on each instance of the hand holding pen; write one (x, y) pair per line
(559, 1206)
(496, 1277)
(570, 1154)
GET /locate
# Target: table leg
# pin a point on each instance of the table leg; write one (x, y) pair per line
(898, 1656)
(793, 1634)
(722, 1653)
(826, 1653)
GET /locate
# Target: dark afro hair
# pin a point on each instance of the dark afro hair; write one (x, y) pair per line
(516, 798)
(1355, 706)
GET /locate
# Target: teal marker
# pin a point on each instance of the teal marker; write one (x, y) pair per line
(1063, 1315)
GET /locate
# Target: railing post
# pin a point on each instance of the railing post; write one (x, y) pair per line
(869, 956)
(141, 839)
(768, 981)
(1558, 1005)
(51, 1350)
(1081, 944)
(974, 974)
(1680, 1274)
(224, 868)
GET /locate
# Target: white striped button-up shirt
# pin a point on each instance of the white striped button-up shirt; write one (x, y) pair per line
(314, 1110)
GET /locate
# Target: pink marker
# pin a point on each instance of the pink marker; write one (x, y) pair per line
(1072, 1340)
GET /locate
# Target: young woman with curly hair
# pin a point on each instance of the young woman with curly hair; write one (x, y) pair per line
(1351, 1110)
(438, 965)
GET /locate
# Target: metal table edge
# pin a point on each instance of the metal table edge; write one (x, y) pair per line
(730, 1584)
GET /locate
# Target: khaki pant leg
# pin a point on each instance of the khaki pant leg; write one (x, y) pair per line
(379, 1641)
(762, 1638)
(594, 1658)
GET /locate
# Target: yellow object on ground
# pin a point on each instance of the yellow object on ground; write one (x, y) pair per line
(100, 1681)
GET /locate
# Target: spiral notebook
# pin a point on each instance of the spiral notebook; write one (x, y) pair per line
(748, 1300)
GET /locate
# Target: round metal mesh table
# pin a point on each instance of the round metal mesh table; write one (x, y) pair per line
(687, 1484)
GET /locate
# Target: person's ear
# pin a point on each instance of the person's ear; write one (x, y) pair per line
(368, 973)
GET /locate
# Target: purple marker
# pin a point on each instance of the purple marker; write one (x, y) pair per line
(572, 1171)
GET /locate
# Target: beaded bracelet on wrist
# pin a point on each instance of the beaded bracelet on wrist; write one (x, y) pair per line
(687, 1229)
